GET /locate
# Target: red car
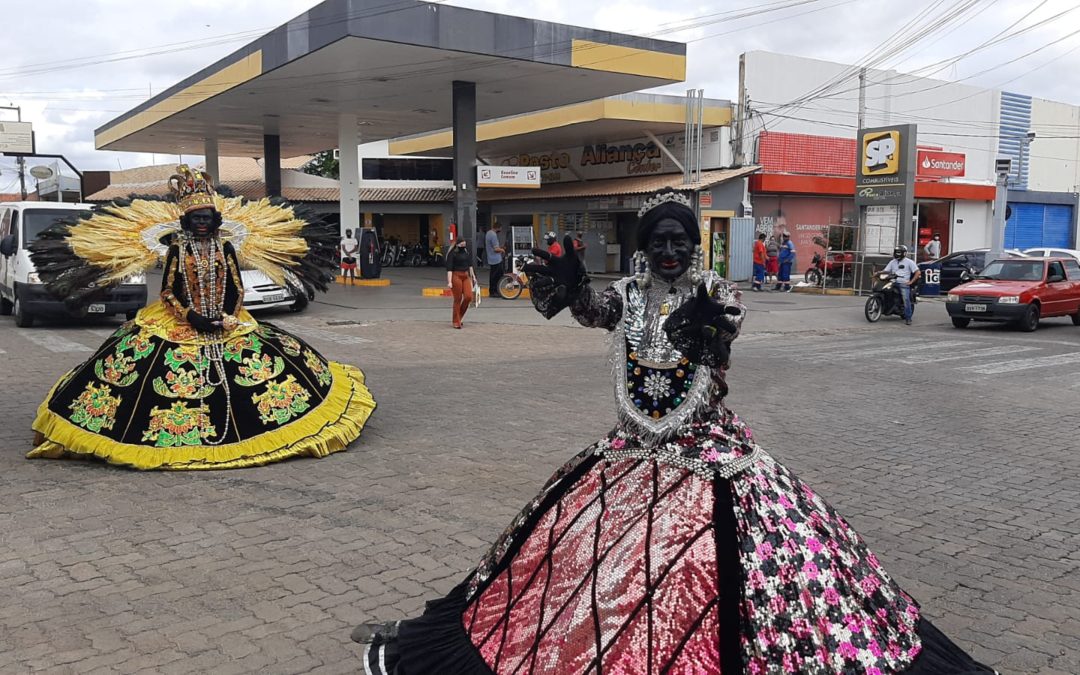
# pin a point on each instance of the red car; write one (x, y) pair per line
(1021, 291)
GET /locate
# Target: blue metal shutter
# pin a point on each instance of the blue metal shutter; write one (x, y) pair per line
(1057, 226)
(741, 249)
(1024, 229)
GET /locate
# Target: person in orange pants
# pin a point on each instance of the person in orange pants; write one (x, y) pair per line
(460, 277)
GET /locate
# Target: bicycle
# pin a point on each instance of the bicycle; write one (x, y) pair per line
(513, 282)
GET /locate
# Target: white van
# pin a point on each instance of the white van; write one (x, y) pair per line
(21, 290)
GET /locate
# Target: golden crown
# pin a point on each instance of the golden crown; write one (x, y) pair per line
(662, 198)
(192, 188)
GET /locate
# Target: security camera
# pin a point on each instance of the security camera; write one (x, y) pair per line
(1031, 135)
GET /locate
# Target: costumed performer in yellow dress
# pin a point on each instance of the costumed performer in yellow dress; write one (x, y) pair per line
(194, 381)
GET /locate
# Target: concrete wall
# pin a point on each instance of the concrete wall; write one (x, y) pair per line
(1054, 162)
(940, 109)
(972, 223)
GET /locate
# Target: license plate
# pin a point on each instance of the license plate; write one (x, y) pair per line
(96, 308)
(274, 297)
(974, 308)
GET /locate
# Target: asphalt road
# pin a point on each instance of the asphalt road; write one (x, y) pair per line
(952, 451)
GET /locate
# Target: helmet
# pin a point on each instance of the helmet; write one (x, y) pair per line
(550, 236)
(900, 251)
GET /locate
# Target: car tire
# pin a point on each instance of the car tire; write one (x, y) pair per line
(960, 322)
(130, 316)
(1075, 318)
(5, 307)
(23, 319)
(1030, 322)
(300, 304)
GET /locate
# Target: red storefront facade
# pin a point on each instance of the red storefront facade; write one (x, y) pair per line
(807, 183)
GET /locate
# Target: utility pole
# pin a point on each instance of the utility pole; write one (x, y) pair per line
(862, 97)
(740, 120)
(21, 160)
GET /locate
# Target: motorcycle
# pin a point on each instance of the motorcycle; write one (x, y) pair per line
(885, 300)
(823, 267)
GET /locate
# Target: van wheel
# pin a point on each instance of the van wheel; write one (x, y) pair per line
(22, 318)
(5, 307)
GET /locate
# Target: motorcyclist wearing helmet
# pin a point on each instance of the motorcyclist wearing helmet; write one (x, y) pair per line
(553, 245)
(907, 275)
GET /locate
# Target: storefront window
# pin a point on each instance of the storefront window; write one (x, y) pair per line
(807, 219)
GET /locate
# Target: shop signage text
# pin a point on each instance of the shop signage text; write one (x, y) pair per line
(614, 160)
(934, 163)
(507, 177)
(16, 137)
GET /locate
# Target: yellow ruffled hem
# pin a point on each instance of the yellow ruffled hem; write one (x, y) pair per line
(327, 429)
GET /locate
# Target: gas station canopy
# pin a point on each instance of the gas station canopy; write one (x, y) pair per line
(614, 118)
(393, 66)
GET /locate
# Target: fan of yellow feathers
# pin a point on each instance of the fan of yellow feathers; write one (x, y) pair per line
(117, 241)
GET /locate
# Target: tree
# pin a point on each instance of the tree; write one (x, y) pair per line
(323, 164)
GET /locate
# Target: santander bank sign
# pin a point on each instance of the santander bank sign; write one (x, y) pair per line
(938, 164)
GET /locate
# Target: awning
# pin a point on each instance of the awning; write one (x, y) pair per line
(610, 187)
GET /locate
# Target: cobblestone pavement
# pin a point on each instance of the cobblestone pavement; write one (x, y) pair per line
(953, 452)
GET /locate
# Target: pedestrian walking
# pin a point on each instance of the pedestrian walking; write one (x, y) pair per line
(933, 247)
(760, 257)
(580, 246)
(772, 259)
(494, 253)
(349, 247)
(786, 260)
(460, 277)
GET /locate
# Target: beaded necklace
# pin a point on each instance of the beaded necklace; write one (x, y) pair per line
(211, 303)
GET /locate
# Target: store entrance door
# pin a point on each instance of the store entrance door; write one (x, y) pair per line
(933, 217)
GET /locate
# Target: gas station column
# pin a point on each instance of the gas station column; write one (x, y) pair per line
(210, 151)
(272, 164)
(349, 173)
(465, 159)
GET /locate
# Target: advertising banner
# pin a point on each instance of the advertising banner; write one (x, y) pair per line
(803, 219)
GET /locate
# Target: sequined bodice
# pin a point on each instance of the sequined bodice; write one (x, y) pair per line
(645, 314)
(657, 388)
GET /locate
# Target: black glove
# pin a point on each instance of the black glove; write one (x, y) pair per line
(557, 284)
(200, 322)
(702, 329)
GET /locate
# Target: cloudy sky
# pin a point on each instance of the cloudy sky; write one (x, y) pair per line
(75, 64)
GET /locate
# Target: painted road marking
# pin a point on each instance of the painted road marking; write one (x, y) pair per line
(1024, 364)
(328, 335)
(842, 354)
(916, 359)
(55, 342)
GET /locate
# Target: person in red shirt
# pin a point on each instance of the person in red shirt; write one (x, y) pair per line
(554, 247)
(760, 257)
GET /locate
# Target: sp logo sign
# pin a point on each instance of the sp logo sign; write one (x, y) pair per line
(881, 153)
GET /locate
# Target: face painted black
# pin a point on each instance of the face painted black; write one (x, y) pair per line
(669, 249)
(201, 222)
